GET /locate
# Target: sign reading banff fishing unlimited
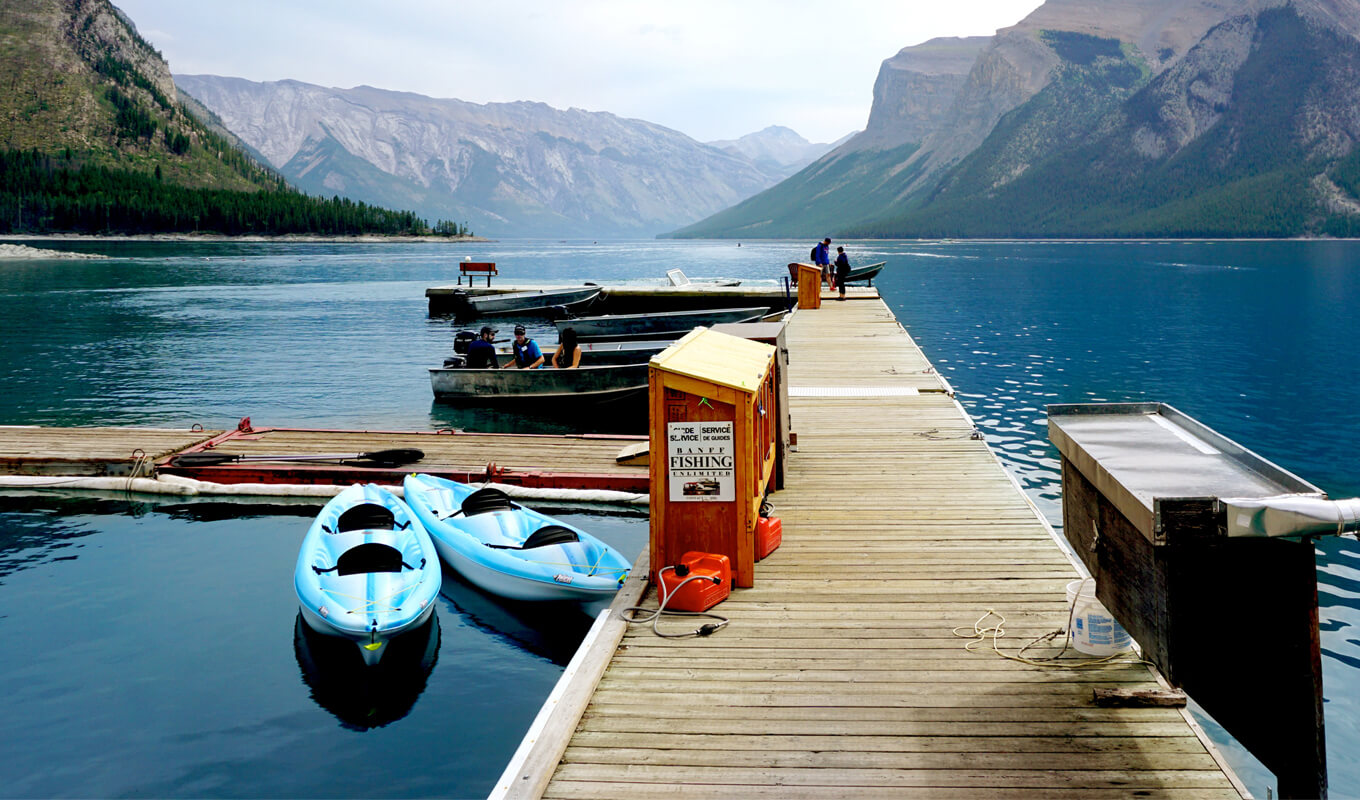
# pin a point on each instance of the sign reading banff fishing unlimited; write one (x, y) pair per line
(701, 462)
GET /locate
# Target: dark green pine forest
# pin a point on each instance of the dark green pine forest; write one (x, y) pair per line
(93, 139)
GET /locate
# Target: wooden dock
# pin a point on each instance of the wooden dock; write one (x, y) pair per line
(839, 675)
(547, 461)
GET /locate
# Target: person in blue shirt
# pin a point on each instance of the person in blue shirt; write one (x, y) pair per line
(481, 353)
(821, 257)
(527, 354)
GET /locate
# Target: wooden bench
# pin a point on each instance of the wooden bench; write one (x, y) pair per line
(474, 268)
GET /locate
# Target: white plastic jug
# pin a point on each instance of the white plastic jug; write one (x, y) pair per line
(1093, 631)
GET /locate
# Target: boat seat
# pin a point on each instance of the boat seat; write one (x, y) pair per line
(549, 535)
(486, 500)
(366, 517)
(543, 537)
(369, 557)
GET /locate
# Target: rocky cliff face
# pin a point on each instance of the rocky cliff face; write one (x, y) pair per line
(505, 168)
(915, 90)
(1118, 117)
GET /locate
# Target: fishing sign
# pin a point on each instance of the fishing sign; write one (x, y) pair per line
(701, 462)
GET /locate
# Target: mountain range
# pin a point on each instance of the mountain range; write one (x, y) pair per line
(503, 168)
(1130, 118)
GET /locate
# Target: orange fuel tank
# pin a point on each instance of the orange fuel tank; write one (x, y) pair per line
(711, 585)
(769, 533)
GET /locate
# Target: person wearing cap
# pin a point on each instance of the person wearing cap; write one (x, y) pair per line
(481, 353)
(527, 354)
(821, 257)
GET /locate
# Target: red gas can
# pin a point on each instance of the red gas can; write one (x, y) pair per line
(712, 582)
(769, 533)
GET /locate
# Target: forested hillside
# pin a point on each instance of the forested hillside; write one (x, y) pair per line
(93, 138)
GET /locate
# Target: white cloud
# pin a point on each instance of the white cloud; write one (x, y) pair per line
(712, 69)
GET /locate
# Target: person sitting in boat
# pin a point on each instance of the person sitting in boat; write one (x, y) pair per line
(527, 354)
(842, 270)
(481, 353)
(568, 354)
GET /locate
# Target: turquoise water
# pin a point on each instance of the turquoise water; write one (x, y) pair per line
(169, 665)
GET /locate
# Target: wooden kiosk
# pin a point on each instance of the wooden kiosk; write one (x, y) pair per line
(714, 406)
(809, 280)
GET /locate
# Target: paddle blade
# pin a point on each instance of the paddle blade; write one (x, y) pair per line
(393, 458)
(202, 459)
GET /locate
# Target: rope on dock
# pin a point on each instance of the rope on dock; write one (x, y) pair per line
(182, 486)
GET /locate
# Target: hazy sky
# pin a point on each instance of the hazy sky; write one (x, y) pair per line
(712, 69)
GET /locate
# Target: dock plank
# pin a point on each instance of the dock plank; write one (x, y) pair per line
(841, 672)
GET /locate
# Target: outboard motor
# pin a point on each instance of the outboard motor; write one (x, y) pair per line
(455, 362)
(461, 340)
(558, 312)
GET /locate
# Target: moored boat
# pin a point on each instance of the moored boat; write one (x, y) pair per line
(593, 354)
(595, 384)
(662, 325)
(367, 570)
(527, 302)
(512, 551)
(865, 273)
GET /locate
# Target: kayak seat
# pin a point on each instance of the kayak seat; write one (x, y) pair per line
(486, 500)
(366, 517)
(549, 535)
(369, 557)
(543, 537)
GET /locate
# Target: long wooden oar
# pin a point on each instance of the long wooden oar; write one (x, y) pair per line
(382, 458)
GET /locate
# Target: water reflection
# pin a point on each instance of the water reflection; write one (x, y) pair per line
(549, 630)
(364, 697)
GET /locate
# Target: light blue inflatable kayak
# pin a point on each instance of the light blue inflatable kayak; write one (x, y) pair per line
(512, 551)
(367, 570)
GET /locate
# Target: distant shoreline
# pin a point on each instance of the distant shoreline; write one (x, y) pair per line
(216, 237)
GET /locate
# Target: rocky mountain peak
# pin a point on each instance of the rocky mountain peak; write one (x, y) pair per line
(520, 168)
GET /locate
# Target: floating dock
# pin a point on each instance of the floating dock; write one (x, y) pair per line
(549, 461)
(840, 673)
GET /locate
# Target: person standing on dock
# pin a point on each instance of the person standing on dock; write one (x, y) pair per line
(481, 352)
(821, 257)
(842, 270)
(527, 354)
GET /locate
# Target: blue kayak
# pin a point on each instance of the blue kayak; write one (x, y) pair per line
(367, 570)
(512, 551)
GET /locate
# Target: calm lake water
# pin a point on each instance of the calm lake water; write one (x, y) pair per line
(159, 655)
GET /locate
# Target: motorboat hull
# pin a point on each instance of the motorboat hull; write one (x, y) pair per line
(865, 273)
(583, 384)
(663, 325)
(528, 302)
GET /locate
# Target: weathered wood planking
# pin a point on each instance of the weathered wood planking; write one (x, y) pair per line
(550, 460)
(520, 453)
(839, 674)
(582, 461)
(89, 452)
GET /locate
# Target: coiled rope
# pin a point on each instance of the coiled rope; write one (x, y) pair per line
(990, 636)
